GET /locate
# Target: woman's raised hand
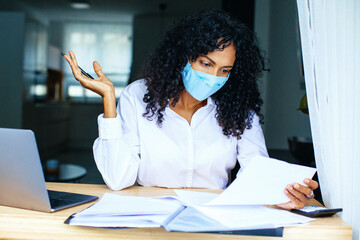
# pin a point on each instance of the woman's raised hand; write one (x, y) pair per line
(102, 85)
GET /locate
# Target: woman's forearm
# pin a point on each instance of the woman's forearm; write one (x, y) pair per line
(109, 105)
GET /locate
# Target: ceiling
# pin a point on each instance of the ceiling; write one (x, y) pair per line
(114, 10)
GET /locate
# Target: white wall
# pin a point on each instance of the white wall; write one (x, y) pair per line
(276, 25)
(12, 25)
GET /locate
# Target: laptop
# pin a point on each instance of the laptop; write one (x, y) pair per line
(22, 182)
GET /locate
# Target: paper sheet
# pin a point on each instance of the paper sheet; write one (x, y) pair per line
(114, 210)
(114, 204)
(120, 221)
(252, 216)
(193, 198)
(263, 181)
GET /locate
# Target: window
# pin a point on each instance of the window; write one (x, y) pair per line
(108, 44)
(34, 64)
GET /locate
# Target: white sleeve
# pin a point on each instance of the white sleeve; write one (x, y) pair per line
(252, 143)
(116, 150)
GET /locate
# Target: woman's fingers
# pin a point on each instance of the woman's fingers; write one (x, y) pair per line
(293, 203)
(97, 69)
(73, 58)
(311, 183)
(68, 59)
(303, 189)
(292, 198)
(294, 190)
(74, 67)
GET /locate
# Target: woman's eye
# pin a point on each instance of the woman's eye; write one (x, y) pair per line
(225, 70)
(205, 64)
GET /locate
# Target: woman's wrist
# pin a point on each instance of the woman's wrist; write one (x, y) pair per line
(109, 105)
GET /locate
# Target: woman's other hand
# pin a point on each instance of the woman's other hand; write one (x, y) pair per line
(102, 85)
(299, 195)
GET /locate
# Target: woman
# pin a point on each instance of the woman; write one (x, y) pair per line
(195, 113)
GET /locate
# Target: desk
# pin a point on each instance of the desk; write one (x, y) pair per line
(27, 224)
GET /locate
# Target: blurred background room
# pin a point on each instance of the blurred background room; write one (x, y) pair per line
(38, 91)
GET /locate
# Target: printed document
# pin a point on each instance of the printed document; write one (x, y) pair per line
(263, 181)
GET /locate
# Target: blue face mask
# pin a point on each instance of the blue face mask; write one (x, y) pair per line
(201, 85)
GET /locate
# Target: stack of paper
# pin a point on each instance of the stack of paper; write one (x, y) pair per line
(126, 211)
(239, 207)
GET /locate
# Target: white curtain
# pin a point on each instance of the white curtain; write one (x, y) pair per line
(330, 37)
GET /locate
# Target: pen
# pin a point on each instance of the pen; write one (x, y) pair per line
(82, 71)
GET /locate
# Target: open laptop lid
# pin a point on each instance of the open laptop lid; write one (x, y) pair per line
(22, 182)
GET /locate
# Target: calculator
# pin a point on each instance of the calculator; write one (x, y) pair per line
(316, 211)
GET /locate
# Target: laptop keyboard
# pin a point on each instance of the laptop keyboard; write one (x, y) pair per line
(60, 202)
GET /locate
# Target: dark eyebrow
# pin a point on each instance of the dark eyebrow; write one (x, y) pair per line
(209, 59)
(214, 61)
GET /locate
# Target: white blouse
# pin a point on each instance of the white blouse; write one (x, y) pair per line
(176, 155)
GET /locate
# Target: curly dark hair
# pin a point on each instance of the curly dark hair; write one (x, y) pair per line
(200, 33)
